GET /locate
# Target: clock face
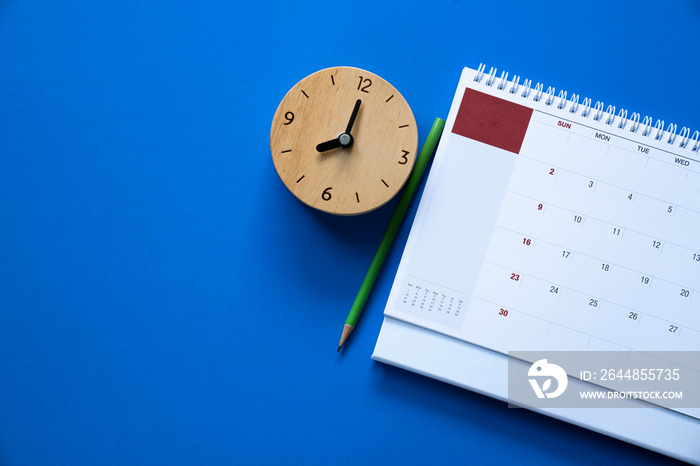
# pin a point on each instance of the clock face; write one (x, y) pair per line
(344, 141)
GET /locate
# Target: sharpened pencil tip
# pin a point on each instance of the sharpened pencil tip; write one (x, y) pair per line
(347, 329)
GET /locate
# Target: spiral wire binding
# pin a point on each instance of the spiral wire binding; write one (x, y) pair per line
(647, 125)
(610, 112)
(659, 127)
(623, 118)
(538, 92)
(607, 116)
(586, 107)
(504, 78)
(514, 84)
(489, 80)
(671, 133)
(562, 100)
(696, 142)
(598, 111)
(574, 103)
(635, 122)
(550, 96)
(479, 72)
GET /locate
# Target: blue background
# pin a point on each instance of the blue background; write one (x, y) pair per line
(165, 299)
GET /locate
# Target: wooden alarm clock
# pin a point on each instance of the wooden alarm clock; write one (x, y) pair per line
(344, 141)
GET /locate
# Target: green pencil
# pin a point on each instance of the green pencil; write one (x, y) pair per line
(392, 229)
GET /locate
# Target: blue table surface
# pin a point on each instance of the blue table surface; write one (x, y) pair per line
(165, 300)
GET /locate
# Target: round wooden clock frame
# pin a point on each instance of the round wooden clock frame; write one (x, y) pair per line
(344, 141)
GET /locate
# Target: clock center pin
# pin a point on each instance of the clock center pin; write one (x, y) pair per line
(346, 140)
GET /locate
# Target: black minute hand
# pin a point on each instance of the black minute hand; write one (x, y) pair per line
(353, 116)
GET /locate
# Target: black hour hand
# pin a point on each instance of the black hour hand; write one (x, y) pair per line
(345, 140)
(329, 145)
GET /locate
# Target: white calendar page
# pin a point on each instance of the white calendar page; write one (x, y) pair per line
(550, 230)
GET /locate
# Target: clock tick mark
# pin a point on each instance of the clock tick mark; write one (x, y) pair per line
(403, 126)
(305, 94)
(333, 80)
(302, 177)
(387, 100)
(357, 196)
(385, 183)
(285, 151)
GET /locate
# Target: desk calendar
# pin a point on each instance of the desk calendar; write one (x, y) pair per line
(550, 223)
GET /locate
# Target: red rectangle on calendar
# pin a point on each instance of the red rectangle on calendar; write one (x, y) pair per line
(491, 120)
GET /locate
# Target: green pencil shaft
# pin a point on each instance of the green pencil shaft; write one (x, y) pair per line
(395, 222)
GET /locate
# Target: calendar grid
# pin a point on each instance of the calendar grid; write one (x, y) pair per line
(550, 323)
(623, 231)
(560, 289)
(553, 206)
(621, 188)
